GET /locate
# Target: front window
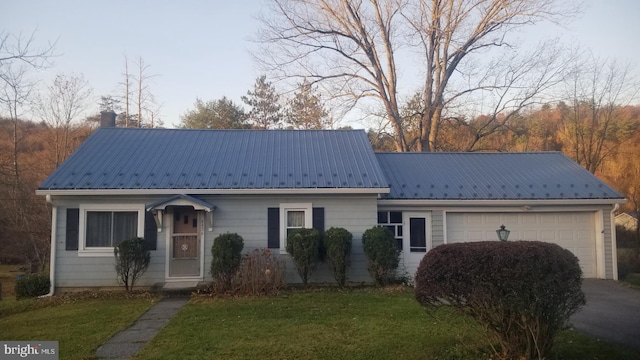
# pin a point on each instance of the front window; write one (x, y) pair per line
(295, 221)
(104, 226)
(294, 217)
(108, 228)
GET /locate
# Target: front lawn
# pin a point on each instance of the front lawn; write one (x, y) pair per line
(336, 324)
(79, 324)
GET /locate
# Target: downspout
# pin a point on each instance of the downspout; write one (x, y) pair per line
(614, 245)
(52, 260)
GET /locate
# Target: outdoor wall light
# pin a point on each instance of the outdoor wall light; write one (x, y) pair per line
(503, 233)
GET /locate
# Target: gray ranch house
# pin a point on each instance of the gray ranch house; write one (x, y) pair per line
(179, 189)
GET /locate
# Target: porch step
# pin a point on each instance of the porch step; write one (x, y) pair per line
(180, 285)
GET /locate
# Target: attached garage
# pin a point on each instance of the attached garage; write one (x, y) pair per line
(465, 197)
(575, 231)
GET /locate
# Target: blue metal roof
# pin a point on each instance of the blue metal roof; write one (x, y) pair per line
(120, 158)
(484, 176)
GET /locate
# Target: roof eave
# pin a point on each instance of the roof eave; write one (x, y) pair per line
(283, 191)
(494, 202)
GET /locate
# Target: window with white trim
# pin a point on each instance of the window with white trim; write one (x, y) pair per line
(104, 226)
(392, 220)
(294, 216)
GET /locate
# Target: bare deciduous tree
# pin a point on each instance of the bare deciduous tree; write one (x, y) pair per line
(65, 100)
(145, 100)
(20, 210)
(594, 124)
(354, 46)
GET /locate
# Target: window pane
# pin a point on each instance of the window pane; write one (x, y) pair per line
(395, 217)
(98, 229)
(417, 235)
(382, 217)
(392, 229)
(295, 219)
(125, 226)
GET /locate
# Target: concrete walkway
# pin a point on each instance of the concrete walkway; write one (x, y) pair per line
(612, 312)
(128, 342)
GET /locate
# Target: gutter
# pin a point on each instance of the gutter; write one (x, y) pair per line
(276, 191)
(52, 259)
(499, 202)
(614, 242)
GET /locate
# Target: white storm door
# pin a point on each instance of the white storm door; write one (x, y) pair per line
(416, 239)
(184, 245)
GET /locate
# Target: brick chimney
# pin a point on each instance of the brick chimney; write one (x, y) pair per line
(107, 118)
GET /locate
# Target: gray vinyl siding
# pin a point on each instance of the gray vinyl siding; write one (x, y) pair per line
(77, 271)
(608, 242)
(248, 217)
(437, 228)
(245, 215)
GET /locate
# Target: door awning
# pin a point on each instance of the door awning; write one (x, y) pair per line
(159, 207)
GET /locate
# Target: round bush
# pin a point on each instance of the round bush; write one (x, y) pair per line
(522, 292)
(226, 254)
(382, 254)
(32, 285)
(303, 247)
(337, 242)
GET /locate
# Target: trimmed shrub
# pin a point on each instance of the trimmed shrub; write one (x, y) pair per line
(132, 260)
(522, 292)
(303, 247)
(260, 273)
(337, 243)
(227, 254)
(32, 285)
(382, 254)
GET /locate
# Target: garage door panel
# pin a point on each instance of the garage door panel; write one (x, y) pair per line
(547, 219)
(547, 235)
(566, 236)
(566, 219)
(573, 231)
(475, 236)
(472, 219)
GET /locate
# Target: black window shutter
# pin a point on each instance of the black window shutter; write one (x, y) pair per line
(273, 228)
(150, 231)
(73, 222)
(318, 219)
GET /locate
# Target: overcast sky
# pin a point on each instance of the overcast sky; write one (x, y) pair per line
(200, 49)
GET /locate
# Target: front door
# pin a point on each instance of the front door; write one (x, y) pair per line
(184, 244)
(416, 240)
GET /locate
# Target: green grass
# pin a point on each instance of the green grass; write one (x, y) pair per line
(79, 324)
(333, 324)
(633, 279)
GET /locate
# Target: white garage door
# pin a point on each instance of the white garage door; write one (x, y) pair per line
(573, 231)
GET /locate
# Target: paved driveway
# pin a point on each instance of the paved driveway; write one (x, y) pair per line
(612, 312)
